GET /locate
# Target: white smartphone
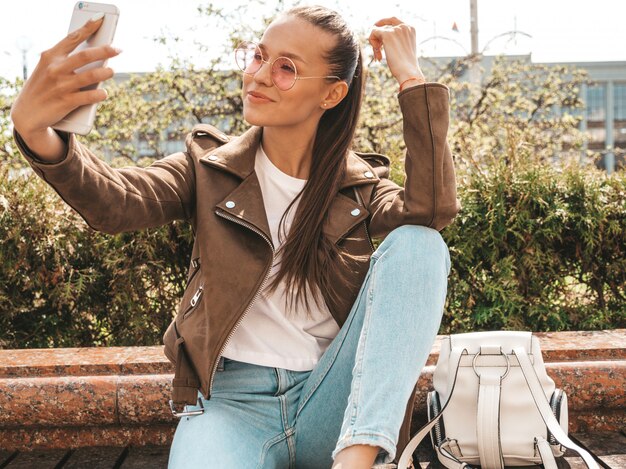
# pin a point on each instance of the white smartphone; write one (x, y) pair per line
(81, 119)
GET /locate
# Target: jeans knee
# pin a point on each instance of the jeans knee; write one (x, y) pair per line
(417, 241)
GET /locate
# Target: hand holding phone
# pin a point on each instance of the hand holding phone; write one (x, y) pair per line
(81, 120)
(64, 88)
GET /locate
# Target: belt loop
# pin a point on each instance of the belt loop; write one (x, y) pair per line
(185, 383)
(220, 364)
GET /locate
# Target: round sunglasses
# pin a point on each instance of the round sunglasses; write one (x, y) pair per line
(284, 73)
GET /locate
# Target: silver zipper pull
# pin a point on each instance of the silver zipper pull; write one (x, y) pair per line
(194, 298)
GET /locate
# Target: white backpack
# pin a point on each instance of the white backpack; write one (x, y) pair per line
(494, 405)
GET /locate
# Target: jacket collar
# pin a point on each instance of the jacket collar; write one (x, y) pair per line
(245, 202)
(237, 156)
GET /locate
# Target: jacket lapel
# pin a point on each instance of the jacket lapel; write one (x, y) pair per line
(245, 202)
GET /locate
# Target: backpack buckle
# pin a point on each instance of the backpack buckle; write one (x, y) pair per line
(506, 358)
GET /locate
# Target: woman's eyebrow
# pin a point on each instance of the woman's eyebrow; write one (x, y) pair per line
(285, 54)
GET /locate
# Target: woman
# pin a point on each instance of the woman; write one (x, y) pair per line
(286, 209)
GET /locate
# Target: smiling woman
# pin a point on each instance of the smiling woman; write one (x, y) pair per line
(296, 343)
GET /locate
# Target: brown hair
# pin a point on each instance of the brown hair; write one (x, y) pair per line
(307, 255)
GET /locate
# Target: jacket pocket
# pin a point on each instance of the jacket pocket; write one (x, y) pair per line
(193, 290)
(193, 302)
(189, 302)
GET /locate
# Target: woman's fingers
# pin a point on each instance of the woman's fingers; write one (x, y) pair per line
(393, 21)
(88, 77)
(399, 41)
(54, 88)
(376, 36)
(376, 39)
(81, 98)
(86, 56)
(382, 26)
(69, 42)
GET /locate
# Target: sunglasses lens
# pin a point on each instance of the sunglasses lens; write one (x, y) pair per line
(248, 57)
(284, 73)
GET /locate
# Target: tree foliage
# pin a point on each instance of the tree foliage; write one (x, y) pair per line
(539, 243)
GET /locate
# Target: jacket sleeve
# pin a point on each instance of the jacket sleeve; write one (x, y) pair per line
(428, 197)
(115, 200)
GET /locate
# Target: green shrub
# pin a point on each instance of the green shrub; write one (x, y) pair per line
(536, 248)
(63, 284)
(539, 243)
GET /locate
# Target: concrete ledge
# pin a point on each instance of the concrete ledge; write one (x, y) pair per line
(115, 396)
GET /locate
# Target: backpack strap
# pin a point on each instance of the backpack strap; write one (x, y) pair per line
(488, 412)
(488, 422)
(544, 408)
(545, 452)
(403, 462)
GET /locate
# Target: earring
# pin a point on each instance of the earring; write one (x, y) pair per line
(324, 104)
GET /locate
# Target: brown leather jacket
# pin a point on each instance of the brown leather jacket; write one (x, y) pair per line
(213, 185)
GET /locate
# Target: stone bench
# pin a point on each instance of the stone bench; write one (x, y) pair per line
(118, 396)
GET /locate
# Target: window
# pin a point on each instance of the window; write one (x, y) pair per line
(597, 137)
(596, 97)
(619, 98)
(619, 134)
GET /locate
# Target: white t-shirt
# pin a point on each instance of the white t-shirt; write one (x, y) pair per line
(267, 335)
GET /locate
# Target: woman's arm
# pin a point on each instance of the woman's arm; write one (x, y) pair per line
(114, 200)
(428, 197)
(108, 199)
(429, 194)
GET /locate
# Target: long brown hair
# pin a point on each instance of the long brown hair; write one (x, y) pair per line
(307, 256)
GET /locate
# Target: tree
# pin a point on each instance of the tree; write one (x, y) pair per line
(535, 246)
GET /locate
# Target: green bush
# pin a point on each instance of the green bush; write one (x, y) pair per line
(63, 284)
(534, 249)
(539, 243)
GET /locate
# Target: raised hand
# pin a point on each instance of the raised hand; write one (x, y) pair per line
(398, 41)
(53, 89)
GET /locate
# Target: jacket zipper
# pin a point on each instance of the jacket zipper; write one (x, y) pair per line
(194, 301)
(267, 273)
(360, 202)
(195, 264)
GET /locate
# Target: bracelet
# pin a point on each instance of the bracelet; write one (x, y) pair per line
(412, 78)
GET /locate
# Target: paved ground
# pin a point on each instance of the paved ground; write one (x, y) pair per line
(608, 448)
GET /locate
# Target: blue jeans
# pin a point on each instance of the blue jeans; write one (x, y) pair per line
(266, 417)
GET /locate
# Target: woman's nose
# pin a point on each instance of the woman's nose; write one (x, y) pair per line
(264, 74)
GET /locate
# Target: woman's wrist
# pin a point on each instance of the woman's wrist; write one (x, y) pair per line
(46, 144)
(411, 80)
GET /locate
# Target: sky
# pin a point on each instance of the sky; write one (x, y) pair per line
(559, 30)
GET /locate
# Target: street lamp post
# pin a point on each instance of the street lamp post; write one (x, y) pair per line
(23, 43)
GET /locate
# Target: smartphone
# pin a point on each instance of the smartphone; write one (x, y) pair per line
(81, 119)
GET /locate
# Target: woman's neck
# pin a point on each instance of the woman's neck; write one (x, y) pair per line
(290, 149)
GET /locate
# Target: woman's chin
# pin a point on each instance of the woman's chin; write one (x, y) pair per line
(254, 118)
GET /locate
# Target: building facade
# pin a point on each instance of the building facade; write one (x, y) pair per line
(603, 119)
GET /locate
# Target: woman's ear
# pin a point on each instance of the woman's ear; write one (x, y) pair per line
(335, 94)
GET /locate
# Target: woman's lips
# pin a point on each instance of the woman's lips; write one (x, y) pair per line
(257, 98)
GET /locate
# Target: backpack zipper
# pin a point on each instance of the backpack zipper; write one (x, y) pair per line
(435, 404)
(555, 404)
(267, 272)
